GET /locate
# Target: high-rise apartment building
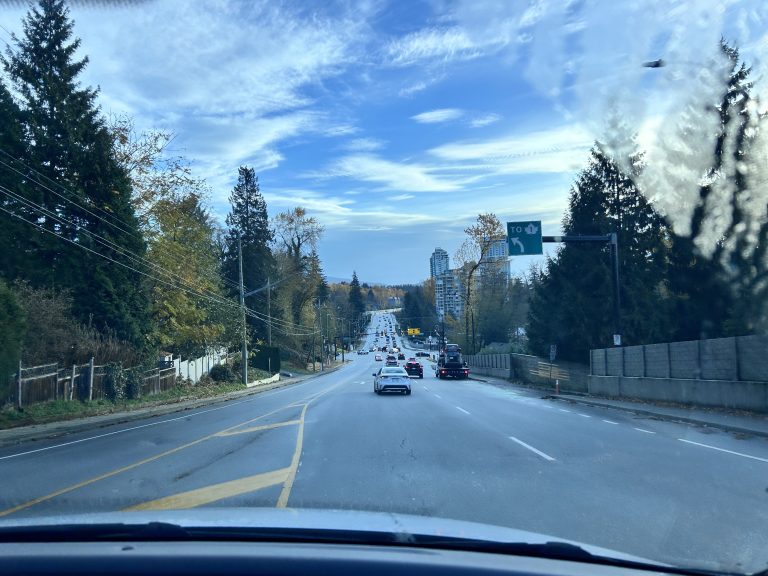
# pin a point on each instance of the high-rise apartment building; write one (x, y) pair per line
(438, 263)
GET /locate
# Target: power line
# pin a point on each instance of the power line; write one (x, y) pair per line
(83, 208)
(97, 253)
(100, 239)
(106, 242)
(77, 205)
(213, 297)
(136, 235)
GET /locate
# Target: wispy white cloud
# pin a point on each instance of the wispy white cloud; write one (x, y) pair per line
(439, 115)
(341, 130)
(412, 89)
(200, 70)
(396, 176)
(484, 120)
(342, 212)
(401, 197)
(363, 145)
(431, 44)
(562, 149)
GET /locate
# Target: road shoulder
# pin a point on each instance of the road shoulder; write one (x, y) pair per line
(734, 421)
(34, 432)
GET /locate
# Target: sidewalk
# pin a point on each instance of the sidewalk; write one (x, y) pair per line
(14, 436)
(735, 421)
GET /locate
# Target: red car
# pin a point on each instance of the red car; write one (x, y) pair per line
(414, 368)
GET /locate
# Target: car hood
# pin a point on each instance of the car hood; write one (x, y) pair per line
(402, 525)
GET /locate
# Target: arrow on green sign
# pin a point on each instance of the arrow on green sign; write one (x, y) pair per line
(524, 238)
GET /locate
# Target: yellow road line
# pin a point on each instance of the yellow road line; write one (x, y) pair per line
(73, 487)
(214, 492)
(282, 502)
(284, 494)
(258, 428)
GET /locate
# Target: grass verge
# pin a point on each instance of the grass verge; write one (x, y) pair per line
(60, 410)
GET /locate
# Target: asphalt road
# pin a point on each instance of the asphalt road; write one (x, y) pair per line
(458, 449)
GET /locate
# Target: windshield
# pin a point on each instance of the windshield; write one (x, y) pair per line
(559, 207)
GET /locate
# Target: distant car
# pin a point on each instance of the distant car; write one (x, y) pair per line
(414, 368)
(391, 379)
(391, 360)
(377, 357)
(421, 354)
(361, 351)
(400, 356)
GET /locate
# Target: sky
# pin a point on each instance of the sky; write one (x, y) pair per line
(395, 123)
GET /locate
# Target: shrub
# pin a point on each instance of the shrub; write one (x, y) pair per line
(12, 331)
(205, 380)
(221, 373)
(114, 382)
(133, 382)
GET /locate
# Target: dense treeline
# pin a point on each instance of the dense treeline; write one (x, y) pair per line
(108, 247)
(692, 231)
(697, 271)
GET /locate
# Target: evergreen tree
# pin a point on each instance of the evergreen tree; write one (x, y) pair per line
(12, 330)
(82, 195)
(718, 271)
(418, 310)
(371, 299)
(572, 301)
(248, 222)
(14, 234)
(316, 278)
(356, 304)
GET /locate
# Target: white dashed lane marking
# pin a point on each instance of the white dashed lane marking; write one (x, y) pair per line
(462, 409)
(724, 450)
(532, 449)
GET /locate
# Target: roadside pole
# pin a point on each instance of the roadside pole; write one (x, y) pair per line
(269, 314)
(244, 359)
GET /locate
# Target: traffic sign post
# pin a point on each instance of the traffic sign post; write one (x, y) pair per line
(524, 238)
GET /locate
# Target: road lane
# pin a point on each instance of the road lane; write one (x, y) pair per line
(622, 485)
(98, 471)
(458, 449)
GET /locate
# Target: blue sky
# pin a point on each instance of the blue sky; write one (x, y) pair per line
(396, 123)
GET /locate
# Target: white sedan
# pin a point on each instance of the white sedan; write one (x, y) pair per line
(391, 379)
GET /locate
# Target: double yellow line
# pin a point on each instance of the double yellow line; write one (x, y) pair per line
(214, 492)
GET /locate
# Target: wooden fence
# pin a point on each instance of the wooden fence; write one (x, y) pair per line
(49, 382)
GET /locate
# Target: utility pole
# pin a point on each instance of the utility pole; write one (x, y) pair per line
(322, 337)
(244, 358)
(269, 314)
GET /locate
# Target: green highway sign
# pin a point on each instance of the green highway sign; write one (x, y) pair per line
(524, 238)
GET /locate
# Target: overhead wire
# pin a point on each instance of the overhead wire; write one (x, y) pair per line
(170, 279)
(136, 235)
(65, 198)
(230, 283)
(107, 243)
(123, 264)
